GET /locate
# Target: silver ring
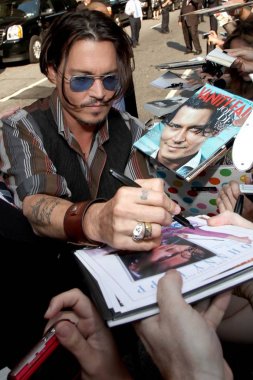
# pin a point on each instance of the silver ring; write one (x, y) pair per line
(139, 231)
(148, 230)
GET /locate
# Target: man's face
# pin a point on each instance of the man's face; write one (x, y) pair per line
(91, 105)
(183, 137)
(168, 251)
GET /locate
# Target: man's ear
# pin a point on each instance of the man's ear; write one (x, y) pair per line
(52, 74)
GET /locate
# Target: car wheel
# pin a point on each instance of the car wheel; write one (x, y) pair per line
(34, 49)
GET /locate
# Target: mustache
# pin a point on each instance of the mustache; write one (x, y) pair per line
(96, 102)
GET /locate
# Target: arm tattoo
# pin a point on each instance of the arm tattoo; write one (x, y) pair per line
(42, 210)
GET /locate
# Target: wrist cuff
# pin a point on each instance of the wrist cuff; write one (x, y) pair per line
(73, 222)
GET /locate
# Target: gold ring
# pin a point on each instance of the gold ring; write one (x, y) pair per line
(139, 231)
(148, 230)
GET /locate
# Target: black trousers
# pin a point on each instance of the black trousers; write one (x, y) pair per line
(191, 36)
(213, 23)
(165, 20)
(135, 25)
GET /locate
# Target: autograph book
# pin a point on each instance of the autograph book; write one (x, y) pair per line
(198, 133)
(218, 56)
(123, 284)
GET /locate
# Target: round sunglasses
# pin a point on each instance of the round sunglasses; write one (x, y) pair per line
(79, 83)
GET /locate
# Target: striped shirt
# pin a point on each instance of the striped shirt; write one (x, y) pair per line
(28, 170)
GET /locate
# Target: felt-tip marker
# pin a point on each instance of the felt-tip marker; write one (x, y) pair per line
(129, 182)
(239, 204)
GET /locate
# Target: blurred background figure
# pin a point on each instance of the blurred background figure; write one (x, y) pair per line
(134, 11)
(212, 18)
(82, 4)
(189, 25)
(156, 9)
(98, 6)
(165, 6)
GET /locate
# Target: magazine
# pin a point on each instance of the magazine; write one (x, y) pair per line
(170, 80)
(195, 62)
(164, 106)
(210, 259)
(198, 133)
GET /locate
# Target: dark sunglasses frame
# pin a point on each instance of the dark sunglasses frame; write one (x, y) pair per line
(80, 83)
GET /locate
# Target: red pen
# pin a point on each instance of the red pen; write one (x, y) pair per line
(33, 360)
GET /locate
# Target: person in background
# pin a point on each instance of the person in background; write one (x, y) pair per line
(98, 6)
(212, 19)
(82, 4)
(189, 26)
(165, 6)
(156, 9)
(134, 11)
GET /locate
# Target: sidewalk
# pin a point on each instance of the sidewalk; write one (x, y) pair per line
(158, 48)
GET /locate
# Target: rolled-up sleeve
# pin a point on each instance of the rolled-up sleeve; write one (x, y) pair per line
(24, 161)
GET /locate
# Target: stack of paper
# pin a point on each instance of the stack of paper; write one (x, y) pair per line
(123, 284)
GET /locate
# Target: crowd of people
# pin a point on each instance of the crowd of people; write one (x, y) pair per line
(56, 156)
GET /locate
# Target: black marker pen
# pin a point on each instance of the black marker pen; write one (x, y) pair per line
(239, 204)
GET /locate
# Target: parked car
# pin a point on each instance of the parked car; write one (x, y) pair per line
(116, 9)
(146, 6)
(22, 25)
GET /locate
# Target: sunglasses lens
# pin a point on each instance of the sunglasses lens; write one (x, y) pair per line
(111, 82)
(82, 83)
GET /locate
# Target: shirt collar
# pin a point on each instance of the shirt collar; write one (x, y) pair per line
(194, 162)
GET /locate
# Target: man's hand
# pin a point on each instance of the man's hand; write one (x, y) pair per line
(86, 336)
(181, 341)
(113, 222)
(227, 198)
(244, 60)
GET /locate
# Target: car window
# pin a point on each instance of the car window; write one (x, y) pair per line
(59, 5)
(19, 8)
(47, 6)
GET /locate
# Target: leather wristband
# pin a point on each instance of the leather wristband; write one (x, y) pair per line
(73, 223)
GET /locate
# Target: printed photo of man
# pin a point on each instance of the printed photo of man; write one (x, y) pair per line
(177, 253)
(184, 135)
